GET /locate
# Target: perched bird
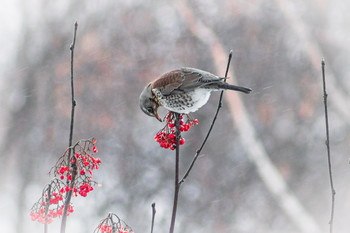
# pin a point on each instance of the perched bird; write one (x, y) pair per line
(183, 90)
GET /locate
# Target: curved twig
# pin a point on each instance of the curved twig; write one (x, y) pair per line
(211, 126)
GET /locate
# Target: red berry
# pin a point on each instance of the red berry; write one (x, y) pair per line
(182, 141)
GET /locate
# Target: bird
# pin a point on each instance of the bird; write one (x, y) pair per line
(182, 91)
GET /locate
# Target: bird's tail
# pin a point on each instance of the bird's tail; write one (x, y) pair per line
(227, 86)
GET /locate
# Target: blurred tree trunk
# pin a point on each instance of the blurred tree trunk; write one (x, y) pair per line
(255, 150)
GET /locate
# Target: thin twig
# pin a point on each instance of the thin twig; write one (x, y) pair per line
(211, 126)
(325, 95)
(177, 160)
(69, 193)
(72, 86)
(153, 215)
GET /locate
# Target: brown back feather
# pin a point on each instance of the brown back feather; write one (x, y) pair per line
(187, 79)
(168, 82)
(178, 81)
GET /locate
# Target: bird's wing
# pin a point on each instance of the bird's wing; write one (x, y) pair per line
(195, 78)
(168, 82)
(183, 80)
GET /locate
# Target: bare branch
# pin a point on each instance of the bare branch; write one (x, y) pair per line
(153, 215)
(177, 162)
(69, 193)
(46, 229)
(211, 126)
(325, 95)
(72, 85)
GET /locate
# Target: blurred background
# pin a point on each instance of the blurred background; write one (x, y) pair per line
(121, 46)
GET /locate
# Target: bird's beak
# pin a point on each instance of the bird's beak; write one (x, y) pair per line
(157, 116)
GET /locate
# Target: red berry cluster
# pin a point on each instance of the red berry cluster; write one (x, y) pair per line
(167, 136)
(81, 167)
(72, 174)
(113, 224)
(51, 201)
(109, 229)
(168, 140)
(82, 190)
(52, 213)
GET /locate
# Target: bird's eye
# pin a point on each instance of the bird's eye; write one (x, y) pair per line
(150, 110)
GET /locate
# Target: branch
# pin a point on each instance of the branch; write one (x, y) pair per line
(153, 215)
(46, 230)
(211, 126)
(325, 95)
(177, 159)
(72, 84)
(69, 193)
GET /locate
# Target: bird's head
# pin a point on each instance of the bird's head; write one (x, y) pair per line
(148, 104)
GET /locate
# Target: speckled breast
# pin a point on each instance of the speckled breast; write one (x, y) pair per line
(183, 102)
